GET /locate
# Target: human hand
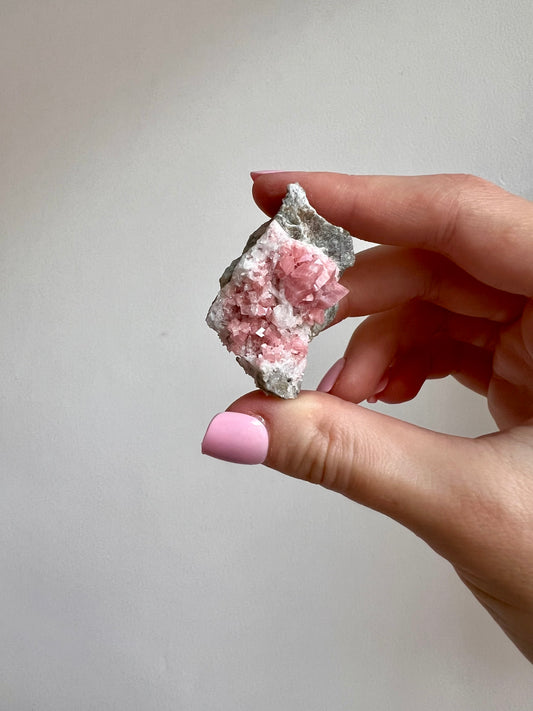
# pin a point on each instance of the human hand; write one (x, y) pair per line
(449, 292)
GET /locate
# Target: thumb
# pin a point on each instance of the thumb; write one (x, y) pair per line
(404, 471)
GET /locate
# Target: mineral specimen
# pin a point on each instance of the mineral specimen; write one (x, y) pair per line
(281, 292)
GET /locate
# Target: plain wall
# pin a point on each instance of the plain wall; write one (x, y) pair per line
(135, 573)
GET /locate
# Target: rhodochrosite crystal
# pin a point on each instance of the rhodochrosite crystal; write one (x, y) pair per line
(281, 292)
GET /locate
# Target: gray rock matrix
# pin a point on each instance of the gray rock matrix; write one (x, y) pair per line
(303, 223)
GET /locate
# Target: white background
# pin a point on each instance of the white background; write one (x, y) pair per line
(135, 573)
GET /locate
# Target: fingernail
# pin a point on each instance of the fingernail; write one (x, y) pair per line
(330, 378)
(380, 387)
(235, 437)
(258, 173)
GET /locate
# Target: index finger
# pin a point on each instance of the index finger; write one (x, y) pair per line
(479, 226)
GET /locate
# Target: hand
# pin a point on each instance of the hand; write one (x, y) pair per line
(449, 292)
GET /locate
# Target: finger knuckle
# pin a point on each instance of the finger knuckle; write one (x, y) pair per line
(457, 193)
(323, 456)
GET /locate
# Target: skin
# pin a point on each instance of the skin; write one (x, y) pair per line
(448, 291)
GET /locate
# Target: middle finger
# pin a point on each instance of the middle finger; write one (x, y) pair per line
(383, 278)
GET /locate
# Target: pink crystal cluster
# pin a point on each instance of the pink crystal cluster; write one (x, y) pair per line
(278, 292)
(309, 279)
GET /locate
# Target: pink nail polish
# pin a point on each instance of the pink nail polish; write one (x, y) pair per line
(330, 378)
(235, 437)
(258, 173)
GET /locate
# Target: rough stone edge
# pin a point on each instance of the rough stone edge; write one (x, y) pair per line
(303, 223)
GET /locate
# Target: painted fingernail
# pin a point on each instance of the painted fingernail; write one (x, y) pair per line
(330, 378)
(258, 173)
(235, 437)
